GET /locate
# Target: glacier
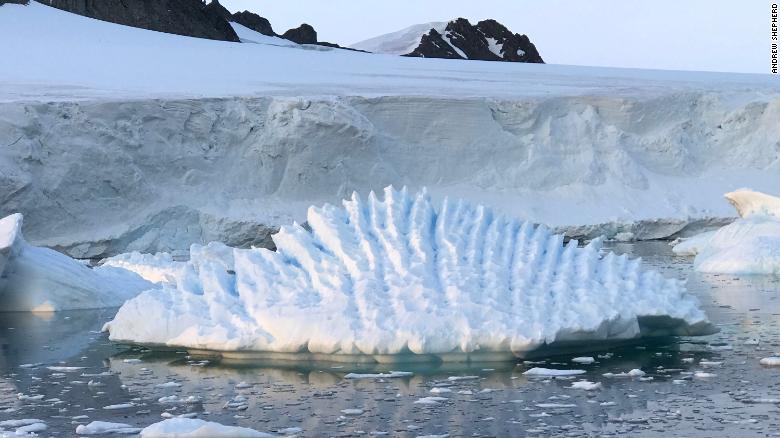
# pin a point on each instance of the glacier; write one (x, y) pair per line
(116, 139)
(42, 280)
(400, 280)
(749, 245)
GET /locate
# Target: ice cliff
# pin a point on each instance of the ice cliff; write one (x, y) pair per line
(398, 279)
(40, 279)
(116, 139)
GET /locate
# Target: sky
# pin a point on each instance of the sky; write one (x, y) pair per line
(713, 35)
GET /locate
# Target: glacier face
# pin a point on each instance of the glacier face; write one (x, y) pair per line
(42, 280)
(100, 178)
(397, 277)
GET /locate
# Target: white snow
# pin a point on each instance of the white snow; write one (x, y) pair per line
(495, 47)
(247, 35)
(42, 280)
(551, 372)
(195, 428)
(391, 270)
(401, 42)
(749, 245)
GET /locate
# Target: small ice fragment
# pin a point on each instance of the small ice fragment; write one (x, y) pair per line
(119, 406)
(459, 378)
(429, 400)
(584, 360)
(132, 361)
(65, 369)
(555, 405)
(352, 412)
(586, 385)
(168, 385)
(440, 390)
(548, 372)
(633, 373)
(772, 361)
(243, 385)
(105, 427)
(390, 375)
(703, 375)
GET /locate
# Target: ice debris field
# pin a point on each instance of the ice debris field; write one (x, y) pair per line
(402, 279)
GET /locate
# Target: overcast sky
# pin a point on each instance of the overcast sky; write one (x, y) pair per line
(719, 35)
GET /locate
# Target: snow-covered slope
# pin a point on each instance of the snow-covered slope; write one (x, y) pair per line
(749, 245)
(117, 139)
(401, 42)
(39, 279)
(247, 35)
(399, 277)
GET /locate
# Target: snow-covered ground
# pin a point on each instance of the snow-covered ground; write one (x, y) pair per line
(43, 280)
(118, 139)
(399, 279)
(749, 245)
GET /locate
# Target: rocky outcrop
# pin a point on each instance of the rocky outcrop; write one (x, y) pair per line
(254, 22)
(488, 40)
(181, 17)
(16, 2)
(303, 34)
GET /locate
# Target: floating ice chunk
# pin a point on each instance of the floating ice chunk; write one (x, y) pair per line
(461, 378)
(168, 385)
(548, 372)
(118, 406)
(584, 360)
(195, 428)
(772, 361)
(352, 412)
(703, 375)
(749, 245)
(430, 400)
(586, 385)
(63, 369)
(105, 427)
(390, 375)
(633, 373)
(555, 405)
(694, 245)
(41, 279)
(440, 390)
(406, 279)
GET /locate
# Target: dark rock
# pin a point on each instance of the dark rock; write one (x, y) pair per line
(181, 17)
(432, 45)
(462, 40)
(254, 22)
(216, 7)
(303, 34)
(15, 2)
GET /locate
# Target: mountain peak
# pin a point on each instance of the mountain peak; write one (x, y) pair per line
(488, 40)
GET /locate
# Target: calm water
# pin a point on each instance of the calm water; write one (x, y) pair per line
(736, 396)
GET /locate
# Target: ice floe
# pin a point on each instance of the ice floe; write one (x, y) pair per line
(195, 428)
(749, 245)
(399, 278)
(41, 279)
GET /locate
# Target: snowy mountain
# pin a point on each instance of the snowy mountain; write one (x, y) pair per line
(488, 40)
(117, 139)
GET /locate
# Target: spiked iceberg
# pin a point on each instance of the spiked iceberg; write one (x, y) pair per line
(749, 245)
(41, 279)
(399, 280)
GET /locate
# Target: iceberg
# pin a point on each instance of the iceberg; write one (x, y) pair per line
(41, 279)
(398, 280)
(749, 245)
